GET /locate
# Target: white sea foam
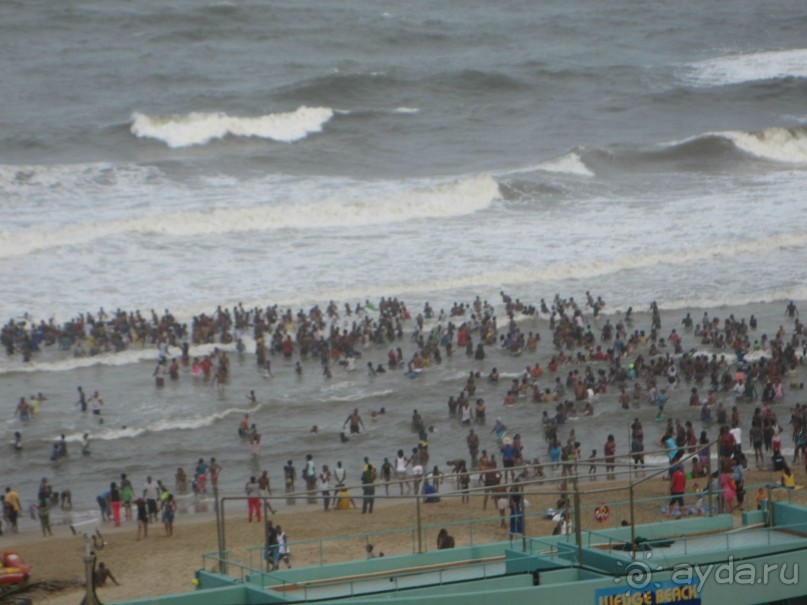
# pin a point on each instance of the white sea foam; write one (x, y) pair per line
(571, 163)
(198, 128)
(788, 145)
(407, 110)
(769, 296)
(129, 356)
(778, 144)
(359, 395)
(65, 178)
(482, 281)
(368, 206)
(736, 69)
(168, 424)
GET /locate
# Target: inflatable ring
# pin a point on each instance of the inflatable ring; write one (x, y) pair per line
(601, 513)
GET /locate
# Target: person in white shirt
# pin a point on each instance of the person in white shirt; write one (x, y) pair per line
(151, 493)
(325, 487)
(737, 433)
(283, 551)
(401, 462)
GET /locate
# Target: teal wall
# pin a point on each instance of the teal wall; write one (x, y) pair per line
(790, 515)
(211, 596)
(380, 564)
(569, 585)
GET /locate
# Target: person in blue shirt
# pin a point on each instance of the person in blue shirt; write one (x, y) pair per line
(555, 452)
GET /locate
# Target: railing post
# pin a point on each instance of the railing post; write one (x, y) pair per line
(219, 507)
(420, 533)
(523, 524)
(578, 530)
(709, 475)
(632, 521)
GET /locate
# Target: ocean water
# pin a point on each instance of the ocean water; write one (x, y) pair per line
(188, 154)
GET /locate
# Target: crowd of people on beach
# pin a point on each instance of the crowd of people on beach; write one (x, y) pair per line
(588, 359)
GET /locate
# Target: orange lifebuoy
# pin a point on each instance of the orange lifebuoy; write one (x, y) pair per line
(601, 513)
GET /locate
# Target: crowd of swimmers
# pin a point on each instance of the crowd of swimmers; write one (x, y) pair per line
(590, 358)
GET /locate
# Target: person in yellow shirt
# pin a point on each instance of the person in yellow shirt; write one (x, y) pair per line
(13, 507)
(788, 480)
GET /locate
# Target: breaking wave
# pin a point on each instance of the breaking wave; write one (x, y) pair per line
(736, 69)
(201, 128)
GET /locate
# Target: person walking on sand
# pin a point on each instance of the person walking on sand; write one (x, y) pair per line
(151, 495)
(126, 496)
(368, 477)
(289, 474)
(115, 502)
(253, 492)
(325, 487)
(271, 550)
(142, 519)
(169, 510)
(610, 454)
(12, 508)
(309, 473)
(401, 462)
(678, 483)
(283, 551)
(264, 484)
(44, 515)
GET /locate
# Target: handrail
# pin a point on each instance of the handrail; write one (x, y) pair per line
(525, 486)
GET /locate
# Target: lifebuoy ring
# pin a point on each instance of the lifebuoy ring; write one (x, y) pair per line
(601, 513)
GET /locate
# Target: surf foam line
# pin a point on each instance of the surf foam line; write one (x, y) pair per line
(534, 276)
(736, 69)
(777, 144)
(197, 128)
(364, 205)
(129, 356)
(160, 426)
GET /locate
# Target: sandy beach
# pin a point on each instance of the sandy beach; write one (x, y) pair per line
(161, 564)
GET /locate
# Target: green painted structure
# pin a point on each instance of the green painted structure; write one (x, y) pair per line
(689, 561)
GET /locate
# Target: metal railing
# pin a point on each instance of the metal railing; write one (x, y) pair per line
(525, 484)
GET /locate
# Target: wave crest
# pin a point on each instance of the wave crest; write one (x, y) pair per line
(159, 426)
(571, 163)
(369, 205)
(737, 69)
(788, 145)
(778, 144)
(198, 128)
